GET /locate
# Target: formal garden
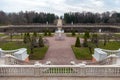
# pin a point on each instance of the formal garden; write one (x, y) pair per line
(84, 50)
(37, 44)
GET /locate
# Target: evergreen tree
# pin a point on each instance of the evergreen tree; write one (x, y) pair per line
(87, 35)
(28, 39)
(95, 39)
(11, 36)
(49, 33)
(90, 46)
(33, 41)
(45, 33)
(25, 38)
(21, 35)
(73, 33)
(32, 46)
(41, 43)
(77, 43)
(105, 40)
(35, 34)
(85, 43)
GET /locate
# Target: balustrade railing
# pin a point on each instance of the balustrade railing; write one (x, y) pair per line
(14, 61)
(107, 61)
(60, 70)
(109, 52)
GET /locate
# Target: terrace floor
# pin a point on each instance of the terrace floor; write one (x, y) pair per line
(59, 78)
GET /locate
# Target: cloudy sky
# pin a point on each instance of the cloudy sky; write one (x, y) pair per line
(60, 6)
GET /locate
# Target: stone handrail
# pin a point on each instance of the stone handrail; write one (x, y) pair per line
(11, 52)
(107, 61)
(14, 61)
(111, 51)
(59, 70)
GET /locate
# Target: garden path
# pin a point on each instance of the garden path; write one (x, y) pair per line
(60, 52)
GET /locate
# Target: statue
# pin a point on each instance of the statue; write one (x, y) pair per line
(59, 33)
(59, 23)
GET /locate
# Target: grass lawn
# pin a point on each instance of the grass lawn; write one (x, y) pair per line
(77, 34)
(83, 53)
(12, 45)
(2, 34)
(39, 53)
(19, 36)
(112, 45)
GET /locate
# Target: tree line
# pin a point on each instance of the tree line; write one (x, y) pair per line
(30, 17)
(89, 17)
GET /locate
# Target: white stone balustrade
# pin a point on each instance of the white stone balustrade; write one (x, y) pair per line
(60, 70)
(11, 60)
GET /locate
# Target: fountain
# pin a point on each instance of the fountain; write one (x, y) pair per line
(59, 33)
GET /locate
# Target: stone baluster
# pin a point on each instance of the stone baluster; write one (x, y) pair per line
(59, 71)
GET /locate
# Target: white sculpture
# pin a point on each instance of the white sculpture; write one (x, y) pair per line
(59, 33)
(59, 23)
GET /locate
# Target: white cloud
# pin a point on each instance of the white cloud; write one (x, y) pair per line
(56, 6)
(117, 1)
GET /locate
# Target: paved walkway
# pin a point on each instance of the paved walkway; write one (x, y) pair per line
(58, 78)
(60, 52)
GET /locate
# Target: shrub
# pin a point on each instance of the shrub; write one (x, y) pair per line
(73, 33)
(25, 39)
(45, 33)
(77, 43)
(85, 43)
(86, 35)
(49, 33)
(41, 43)
(35, 34)
(28, 39)
(95, 39)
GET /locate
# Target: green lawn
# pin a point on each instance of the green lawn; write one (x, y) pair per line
(83, 53)
(112, 45)
(2, 34)
(39, 53)
(77, 34)
(19, 36)
(12, 45)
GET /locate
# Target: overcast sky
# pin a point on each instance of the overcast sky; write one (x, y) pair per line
(59, 7)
